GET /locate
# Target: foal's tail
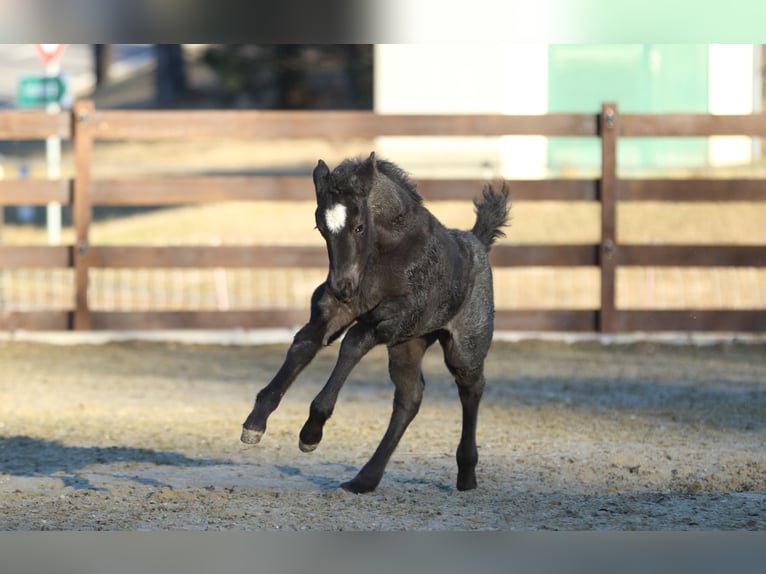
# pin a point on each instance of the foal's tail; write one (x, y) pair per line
(492, 212)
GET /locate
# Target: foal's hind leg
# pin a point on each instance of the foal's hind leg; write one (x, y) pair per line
(470, 383)
(328, 319)
(404, 368)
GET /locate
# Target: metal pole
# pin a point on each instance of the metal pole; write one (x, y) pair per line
(53, 161)
(757, 94)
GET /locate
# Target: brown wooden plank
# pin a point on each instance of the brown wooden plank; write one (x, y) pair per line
(545, 320)
(693, 255)
(35, 320)
(520, 189)
(35, 191)
(35, 256)
(177, 190)
(33, 125)
(721, 320)
(206, 256)
(610, 122)
(504, 255)
(251, 319)
(154, 125)
(689, 125)
(253, 256)
(692, 189)
(82, 119)
(505, 320)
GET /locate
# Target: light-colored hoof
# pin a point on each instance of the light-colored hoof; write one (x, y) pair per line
(251, 436)
(307, 447)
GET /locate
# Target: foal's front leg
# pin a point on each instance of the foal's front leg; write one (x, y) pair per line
(328, 318)
(356, 344)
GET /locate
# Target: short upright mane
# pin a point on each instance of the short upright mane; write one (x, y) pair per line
(345, 177)
(400, 177)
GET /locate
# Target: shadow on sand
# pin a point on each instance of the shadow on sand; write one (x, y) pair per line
(27, 456)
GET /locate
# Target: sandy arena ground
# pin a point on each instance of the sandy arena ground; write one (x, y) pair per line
(145, 436)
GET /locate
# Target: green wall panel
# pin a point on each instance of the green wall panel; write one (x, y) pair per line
(640, 78)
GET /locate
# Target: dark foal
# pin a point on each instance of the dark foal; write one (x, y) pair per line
(397, 277)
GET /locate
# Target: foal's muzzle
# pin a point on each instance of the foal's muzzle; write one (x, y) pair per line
(342, 289)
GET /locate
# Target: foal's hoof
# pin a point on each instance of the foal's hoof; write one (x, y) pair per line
(466, 483)
(358, 486)
(251, 436)
(308, 441)
(307, 447)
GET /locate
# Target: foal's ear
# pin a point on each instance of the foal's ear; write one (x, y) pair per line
(321, 171)
(366, 171)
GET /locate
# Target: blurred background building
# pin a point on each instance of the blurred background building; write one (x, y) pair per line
(539, 79)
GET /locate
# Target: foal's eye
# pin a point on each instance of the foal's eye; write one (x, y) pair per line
(359, 228)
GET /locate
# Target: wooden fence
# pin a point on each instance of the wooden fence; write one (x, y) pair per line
(85, 124)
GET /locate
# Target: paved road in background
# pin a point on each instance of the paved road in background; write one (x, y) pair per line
(17, 60)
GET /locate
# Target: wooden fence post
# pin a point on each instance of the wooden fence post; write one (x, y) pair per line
(82, 132)
(608, 127)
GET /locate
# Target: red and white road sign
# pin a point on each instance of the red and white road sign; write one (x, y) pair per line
(49, 53)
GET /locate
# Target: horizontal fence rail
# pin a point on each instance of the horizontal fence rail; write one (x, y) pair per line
(154, 125)
(84, 125)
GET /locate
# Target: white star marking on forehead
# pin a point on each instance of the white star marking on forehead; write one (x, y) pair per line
(335, 217)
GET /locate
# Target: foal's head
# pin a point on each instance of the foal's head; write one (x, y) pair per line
(361, 206)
